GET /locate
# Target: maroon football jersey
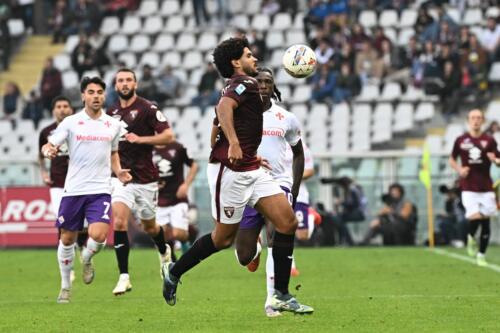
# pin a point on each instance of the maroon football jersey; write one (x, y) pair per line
(472, 152)
(170, 162)
(58, 165)
(144, 119)
(247, 123)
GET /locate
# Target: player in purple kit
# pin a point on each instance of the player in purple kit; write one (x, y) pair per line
(236, 178)
(172, 212)
(92, 140)
(476, 151)
(144, 126)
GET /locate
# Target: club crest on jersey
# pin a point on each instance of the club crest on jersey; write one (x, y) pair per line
(171, 152)
(240, 89)
(484, 143)
(229, 211)
(133, 114)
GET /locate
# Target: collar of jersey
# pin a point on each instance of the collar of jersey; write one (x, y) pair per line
(87, 117)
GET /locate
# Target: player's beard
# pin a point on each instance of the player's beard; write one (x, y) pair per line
(250, 70)
(128, 96)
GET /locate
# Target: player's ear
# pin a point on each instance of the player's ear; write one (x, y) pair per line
(236, 63)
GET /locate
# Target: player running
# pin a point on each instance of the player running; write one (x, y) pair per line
(92, 140)
(145, 126)
(172, 213)
(236, 178)
(476, 151)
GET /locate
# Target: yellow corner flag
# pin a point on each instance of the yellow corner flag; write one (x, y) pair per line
(425, 177)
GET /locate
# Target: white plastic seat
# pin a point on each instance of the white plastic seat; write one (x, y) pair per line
(153, 25)
(408, 18)
(62, 62)
(237, 7)
(172, 114)
(195, 77)
(302, 94)
(131, 25)
(261, 22)
(25, 126)
(319, 114)
(391, 91)
(282, 21)
(435, 143)
(147, 8)
(276, 58)
(118, 43)
(494, 74)
(140, 43)
(405, 35)
(295, 37)
(5, 126)
(388, 18)
(493, 12)
(207, 41)
(110, 25)
(300, 111)
(171, 58)
(252, 7)
(368, 93)
(185, 42)
(403, 117)
(70, 79)
(492, 111)
(454, 13)
(391, 34)
(150, 58)
(368, 18)
(240, 21)
(383, 111)
(16, 27)
(472, 16)
(192, 60)
(164, 42)
(453, 131)
(412, 94)
(129, 58)
(286, 93)
(298, 21)
(169, 8)
(424, 111)
(71, 43)
(382, 131)
(275, 39)
(175, 24)
(187, 8)
(283, 77)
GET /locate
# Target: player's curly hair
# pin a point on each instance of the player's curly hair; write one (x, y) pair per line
(88, 80)
(227, 50)
(276, 93)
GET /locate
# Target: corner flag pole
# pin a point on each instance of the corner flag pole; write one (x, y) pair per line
(425, 177)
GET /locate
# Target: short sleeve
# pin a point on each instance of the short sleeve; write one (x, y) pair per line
(186, 158)
(456, 149)
(292, 135)
(157, 120)
(61, 133)
(308, 159)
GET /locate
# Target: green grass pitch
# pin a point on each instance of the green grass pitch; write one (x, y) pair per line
(352, 290)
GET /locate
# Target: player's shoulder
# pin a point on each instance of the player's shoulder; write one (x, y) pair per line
(462, 137)
(146, 104)
(242, 83)
(49, 128)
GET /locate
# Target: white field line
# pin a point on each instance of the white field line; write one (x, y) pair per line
(470, 260)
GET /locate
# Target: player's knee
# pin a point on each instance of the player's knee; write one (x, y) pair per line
(66, 241)
(120, 223)
(290, 224)
(302, 235)
(180, 235)
(223, 243)
(151, 229)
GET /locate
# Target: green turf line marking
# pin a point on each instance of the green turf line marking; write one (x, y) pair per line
(493, 267)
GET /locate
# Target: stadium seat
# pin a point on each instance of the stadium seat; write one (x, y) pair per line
(473, 16)
(339, 146)
(252, 7)
(190, 115)
(298, 21)
(408, 18)
(62, 62)
(286, 92)
(391, 34)
(16, 27)
(282, 77)
(295, 37)
(118, 43)
(5, 126)
(181, 74)
(110, 25)
(70, 79)
(412, 94)
(192, 60)
(405, 35)
(207, 41)
(493, 12)
(391, 92)
(341, 115)
(140, 43)
(300, 111)
(147, 8)
(240, 21)
(185, 42)
(236, 7)
(163, 43)
(425, 111)
(319, 113)
(388, 18)
(261, 22)
(383, 111)
(71, 43)
(454, 13)
(302, 94)
(276, 59)
(403, 117)
(361, 142)
(131, 25)
(494, 75)
(171, 58)
(274, 40)
(129, 58)
(368, 19)
(169, 8)
(435, 143)
(452, 132)
(150, 58)
(195, 77)
(492, 111)
(362, 114)
(25, 126)
(382, 131)
(368, 93)
(187, 97)
(175, 24)
(187, 9)
(172, 113)
(153, 25)
(282, 21)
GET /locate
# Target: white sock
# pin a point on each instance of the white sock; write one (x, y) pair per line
(293, 262)
(65, 257)
(269, 274)
(91, 249)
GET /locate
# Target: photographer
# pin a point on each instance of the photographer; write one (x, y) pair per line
(396, 221)
(350, 205)
(451, 223)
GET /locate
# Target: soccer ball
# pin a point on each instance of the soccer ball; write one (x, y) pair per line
(299, 61)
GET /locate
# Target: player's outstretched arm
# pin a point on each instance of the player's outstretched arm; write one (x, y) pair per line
(49, 150)
(297, 168)
(225, 110)
(163, 138)
(123, 174)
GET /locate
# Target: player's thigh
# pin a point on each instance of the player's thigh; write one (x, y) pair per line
(277, 210)
(71, 213)
(249, 230)
(224, 234)
(230, 192)
(146, 200)
(55, 198)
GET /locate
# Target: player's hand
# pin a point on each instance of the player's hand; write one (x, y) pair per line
(182, 191)
(234, 153)
(493, 157)
(264, 163)
(132, 138)
(46, 178)
(124, 176)
(464, 172)
(50, 151)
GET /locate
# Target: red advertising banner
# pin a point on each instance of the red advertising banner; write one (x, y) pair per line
(26, 217)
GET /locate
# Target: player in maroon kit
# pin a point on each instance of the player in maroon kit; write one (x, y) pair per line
(56, 175)
(172, 212)
(477, 151)
(236, 178)
(144, 126)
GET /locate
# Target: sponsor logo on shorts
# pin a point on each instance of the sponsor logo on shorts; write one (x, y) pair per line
(229, 211)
